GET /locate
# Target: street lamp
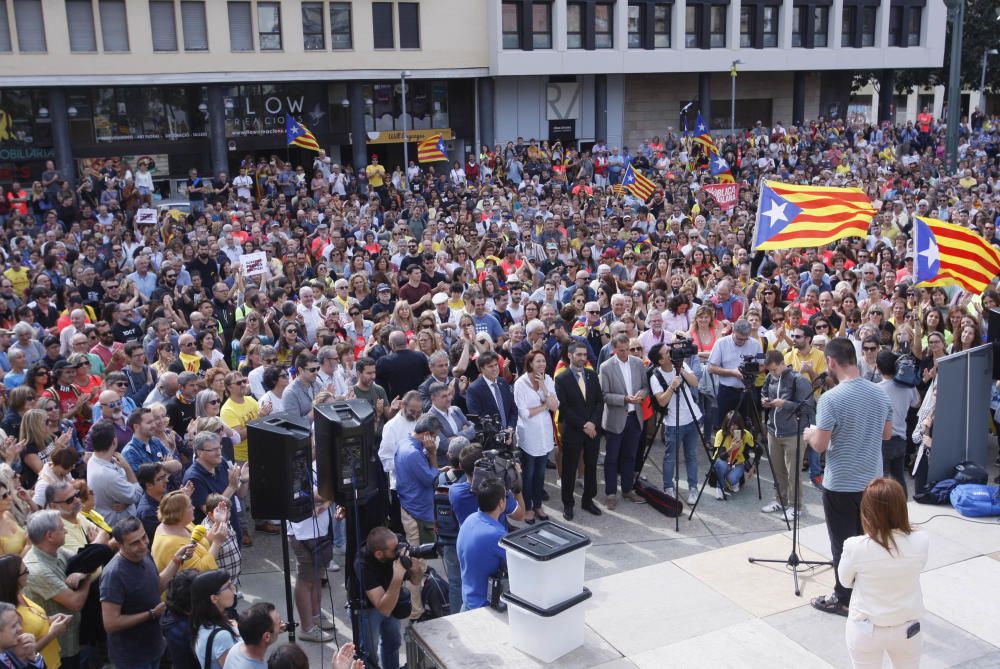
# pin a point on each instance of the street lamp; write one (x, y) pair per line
(406, 149)
(956, 15)
(732, 97)
(982, 80)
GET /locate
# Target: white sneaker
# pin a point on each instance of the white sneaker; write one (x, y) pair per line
(670, 491)
(692, 497)
(718, 493)
(559, 483)
(790, 514)
(773, 507)
(323, 623)
(333, 566)
(735, 488)
(339, 551)
(315, 634)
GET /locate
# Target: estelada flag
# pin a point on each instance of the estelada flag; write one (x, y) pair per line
(297, 134)
(792, 216)
(945, 253)
(640, 186)
(432, 150)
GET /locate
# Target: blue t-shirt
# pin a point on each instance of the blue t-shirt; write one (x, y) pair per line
(464, 503)
(135, 586)
(489, 324)
(223, 641)
(479, 555)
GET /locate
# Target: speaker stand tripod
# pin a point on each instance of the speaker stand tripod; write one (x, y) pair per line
(794, 561)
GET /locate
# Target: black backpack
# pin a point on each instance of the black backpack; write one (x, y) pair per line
(906, 371)
(434, 594)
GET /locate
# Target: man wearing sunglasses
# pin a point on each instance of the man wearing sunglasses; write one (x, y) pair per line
(299, 394)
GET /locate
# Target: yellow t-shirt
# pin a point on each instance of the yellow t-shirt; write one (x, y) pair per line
(795, 360)
(238, 415)
(15, 543)
(376, 175)
(35, 621)
(19, 278)
(725, 441)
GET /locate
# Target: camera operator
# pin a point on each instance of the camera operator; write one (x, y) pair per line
(479, 550)
(680, 423)
(416, 477)
(463, 500)
(852, 421)
(447, 524)
(783, 389)
(384, 602)
(724, 362)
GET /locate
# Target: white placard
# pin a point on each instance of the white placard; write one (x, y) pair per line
(145, 217)
(253, 263)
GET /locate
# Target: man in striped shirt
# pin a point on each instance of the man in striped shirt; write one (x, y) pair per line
(852, 421)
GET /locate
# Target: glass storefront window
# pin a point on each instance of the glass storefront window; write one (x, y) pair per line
(426, 105)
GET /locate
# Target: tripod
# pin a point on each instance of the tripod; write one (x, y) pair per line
(793, 560)
(745, 405)
(651, 437)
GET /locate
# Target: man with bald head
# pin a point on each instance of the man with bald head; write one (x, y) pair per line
(188, 360)
(77, 320)
(109, 402)
(166, 387)
(402, 370)
(80, 343)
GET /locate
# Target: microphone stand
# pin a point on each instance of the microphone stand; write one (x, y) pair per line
(793, 560)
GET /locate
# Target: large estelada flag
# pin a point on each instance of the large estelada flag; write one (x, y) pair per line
(639, 185)
(793, 216)
(432, 150)
(945, 253)
(297, 134)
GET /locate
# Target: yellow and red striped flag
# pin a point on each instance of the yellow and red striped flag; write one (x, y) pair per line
(618, 190)
(297, 134)
(432, 150)
(946, 253)
(792, 216)
(640, 186)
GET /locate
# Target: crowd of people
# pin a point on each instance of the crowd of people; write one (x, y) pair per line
(522, 287)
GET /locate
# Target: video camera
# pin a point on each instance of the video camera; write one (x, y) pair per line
(491, 436)
(750, 367)
(500, 465)
(681, 349)
(405, 552)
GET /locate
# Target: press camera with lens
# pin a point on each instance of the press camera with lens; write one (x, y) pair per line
(406, 553)
(750, 367)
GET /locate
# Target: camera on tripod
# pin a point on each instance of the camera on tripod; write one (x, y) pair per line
(500, 465)
(750, 367)
(406, 553)
(681, 349)
(491, 436)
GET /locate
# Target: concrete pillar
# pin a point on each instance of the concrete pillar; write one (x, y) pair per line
(65, 164)
(705, 96)
(486, 112)
(218, 147)
(601, 106)
(356, 95)
(798, 97)
(886, 87)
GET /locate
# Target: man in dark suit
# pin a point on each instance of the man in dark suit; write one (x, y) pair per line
(581, 405)
(453, 421)
(403, 369)
(489, 395)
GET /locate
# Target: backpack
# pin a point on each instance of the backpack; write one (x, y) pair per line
(975, 500)
(937, 493)
(434, 594)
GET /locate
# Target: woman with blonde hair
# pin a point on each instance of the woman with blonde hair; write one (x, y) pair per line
(177, 529)
(883, 567)
(38, 435)
(402, 318)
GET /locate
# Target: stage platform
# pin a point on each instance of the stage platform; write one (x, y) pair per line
(716, 609)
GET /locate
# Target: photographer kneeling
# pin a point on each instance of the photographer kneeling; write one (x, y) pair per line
(385, 601)
(479, 552)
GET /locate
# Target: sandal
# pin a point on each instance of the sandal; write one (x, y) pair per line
(247, 539)
(830, 604)
(541, 515)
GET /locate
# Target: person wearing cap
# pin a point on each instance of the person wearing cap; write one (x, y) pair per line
(384, 302)
(552, 262)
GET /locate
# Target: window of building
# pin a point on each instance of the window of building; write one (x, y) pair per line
(821, 26)
(769, 29)
(541, 25)
(30, 26)
(661, 26)
(868, 16)
(895, 25)
(510, 24)
(80, 19)
(913, 31)
(691, 37)
(6, 46)
(194, 26)
(635, 20)
(850, 16)
(382, 27)
(409, 25)
(717, 31)
(313, 30)
(574, 25)
(114, 26)
(164, 24)
(340, 26)
(758, 26)
(797, 27)
(240, 26)
(269, 25)
(747, 16)
(604, 24)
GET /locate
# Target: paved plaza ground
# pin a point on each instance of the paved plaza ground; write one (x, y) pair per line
(664, 598)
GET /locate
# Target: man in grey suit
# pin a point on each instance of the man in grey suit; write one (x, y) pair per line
(624, 386)
(453, 421)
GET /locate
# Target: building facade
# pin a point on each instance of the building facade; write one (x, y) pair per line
(206, 83)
